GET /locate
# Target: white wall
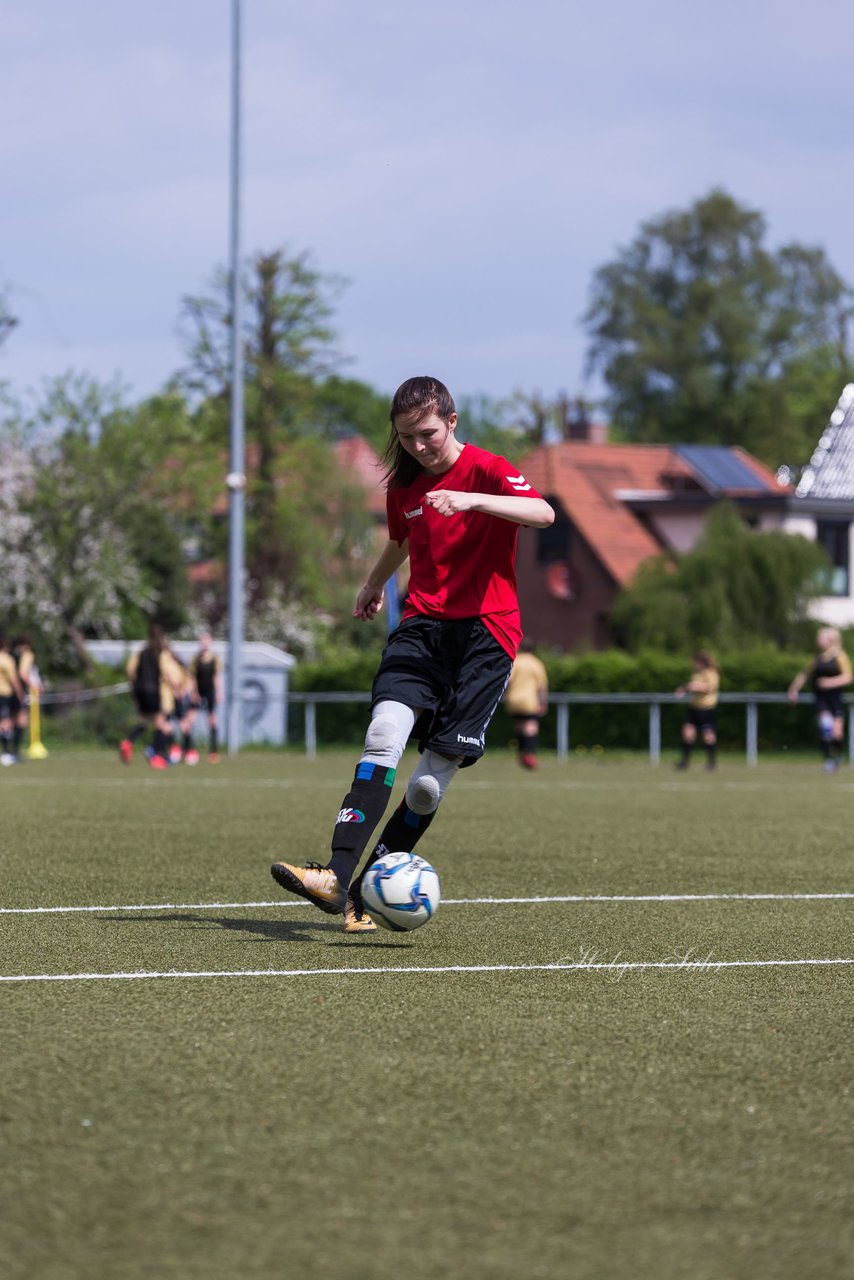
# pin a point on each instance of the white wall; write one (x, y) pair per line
(679, 532)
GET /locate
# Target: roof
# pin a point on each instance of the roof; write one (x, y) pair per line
(361, 462)
(830, 473)
(597, 485)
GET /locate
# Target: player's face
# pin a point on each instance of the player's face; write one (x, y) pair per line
(430, 440)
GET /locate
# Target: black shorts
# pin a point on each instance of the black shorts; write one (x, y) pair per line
(702, 717)
(8, 706)
(830, 700)
(147, 701)
(455, 671)
(207, 703)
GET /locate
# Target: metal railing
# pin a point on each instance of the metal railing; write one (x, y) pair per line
(562, 703)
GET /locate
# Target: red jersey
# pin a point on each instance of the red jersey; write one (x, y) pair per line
(462, 566)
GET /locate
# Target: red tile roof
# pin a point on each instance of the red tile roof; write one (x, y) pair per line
(591, 481)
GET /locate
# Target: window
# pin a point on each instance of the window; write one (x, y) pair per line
(553, 542)
(833, 536)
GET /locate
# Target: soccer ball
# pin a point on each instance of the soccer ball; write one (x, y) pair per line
(401, 891)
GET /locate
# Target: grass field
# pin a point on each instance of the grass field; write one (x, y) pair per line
(223, 1084)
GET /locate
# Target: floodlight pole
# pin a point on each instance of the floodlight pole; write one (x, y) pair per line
(236, 479)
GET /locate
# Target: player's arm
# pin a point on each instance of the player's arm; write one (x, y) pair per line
(536, 513)
(799, 682)
(369, 601)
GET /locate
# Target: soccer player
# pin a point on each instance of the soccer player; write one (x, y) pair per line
(703, 689)
(148, 672)
(207, 673)
(22, 652)
(526, 700)
(829, 673)
(11, 699)
(454, 510)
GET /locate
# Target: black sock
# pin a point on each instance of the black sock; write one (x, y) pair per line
(136, 732)
(188, 742)
(826, 748)
(160, 742)
(835, 748)
(4, 745)
(361, 810)
(17, 735)
(711, 753)
(212, 741)
(399, 835)
(686, 753)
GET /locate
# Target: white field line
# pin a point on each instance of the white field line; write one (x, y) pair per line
(618, 966)
(449, 902)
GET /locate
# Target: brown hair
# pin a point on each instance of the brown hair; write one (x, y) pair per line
(156, 638)
(421, 396)
(705, 660)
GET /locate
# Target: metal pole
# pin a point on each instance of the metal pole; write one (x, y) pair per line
(562, 730)
(236, 479)
(752, 733)
(655, 733)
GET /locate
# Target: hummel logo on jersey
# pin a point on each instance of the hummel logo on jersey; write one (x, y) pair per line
(519, 483)
(472, 742)
(410, 515)
(350, 815)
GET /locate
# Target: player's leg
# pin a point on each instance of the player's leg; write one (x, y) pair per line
(213, 732)
(837, 739)
(21, 722)
(6, 757)
(528, 739)
(430, 779)
(710, 741)
(825, 721)
(689, 737)
(360, 811)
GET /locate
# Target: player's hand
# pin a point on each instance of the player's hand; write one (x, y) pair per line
(369, 601)
(449, 502)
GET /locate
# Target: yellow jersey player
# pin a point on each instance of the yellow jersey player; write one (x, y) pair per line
(11, 699)
(526, 701)
(703, 689)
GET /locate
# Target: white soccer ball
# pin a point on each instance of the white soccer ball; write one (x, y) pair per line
(401, 891)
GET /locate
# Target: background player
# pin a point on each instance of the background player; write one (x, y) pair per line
(829, 673)
(526, 700)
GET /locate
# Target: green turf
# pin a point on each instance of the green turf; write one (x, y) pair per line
(544, 1123)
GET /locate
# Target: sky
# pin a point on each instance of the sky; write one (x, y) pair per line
(466, 165)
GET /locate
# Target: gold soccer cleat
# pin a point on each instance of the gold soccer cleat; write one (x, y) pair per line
(315, 883)
(356, 918)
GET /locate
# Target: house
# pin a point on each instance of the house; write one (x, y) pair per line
(822, 508)
(617, 505)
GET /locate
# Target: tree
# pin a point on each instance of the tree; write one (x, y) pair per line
(287, 345)
(87, 548)
(704, 334)
(736, 588)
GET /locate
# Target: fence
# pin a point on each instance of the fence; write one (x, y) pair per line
(562, 703)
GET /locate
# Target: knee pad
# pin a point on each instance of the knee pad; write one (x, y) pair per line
(430, 780)
(388, 733)
(825, 726)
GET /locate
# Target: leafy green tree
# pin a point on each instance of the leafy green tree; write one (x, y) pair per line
(737, 588)
(703, 333)
(87, 549)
